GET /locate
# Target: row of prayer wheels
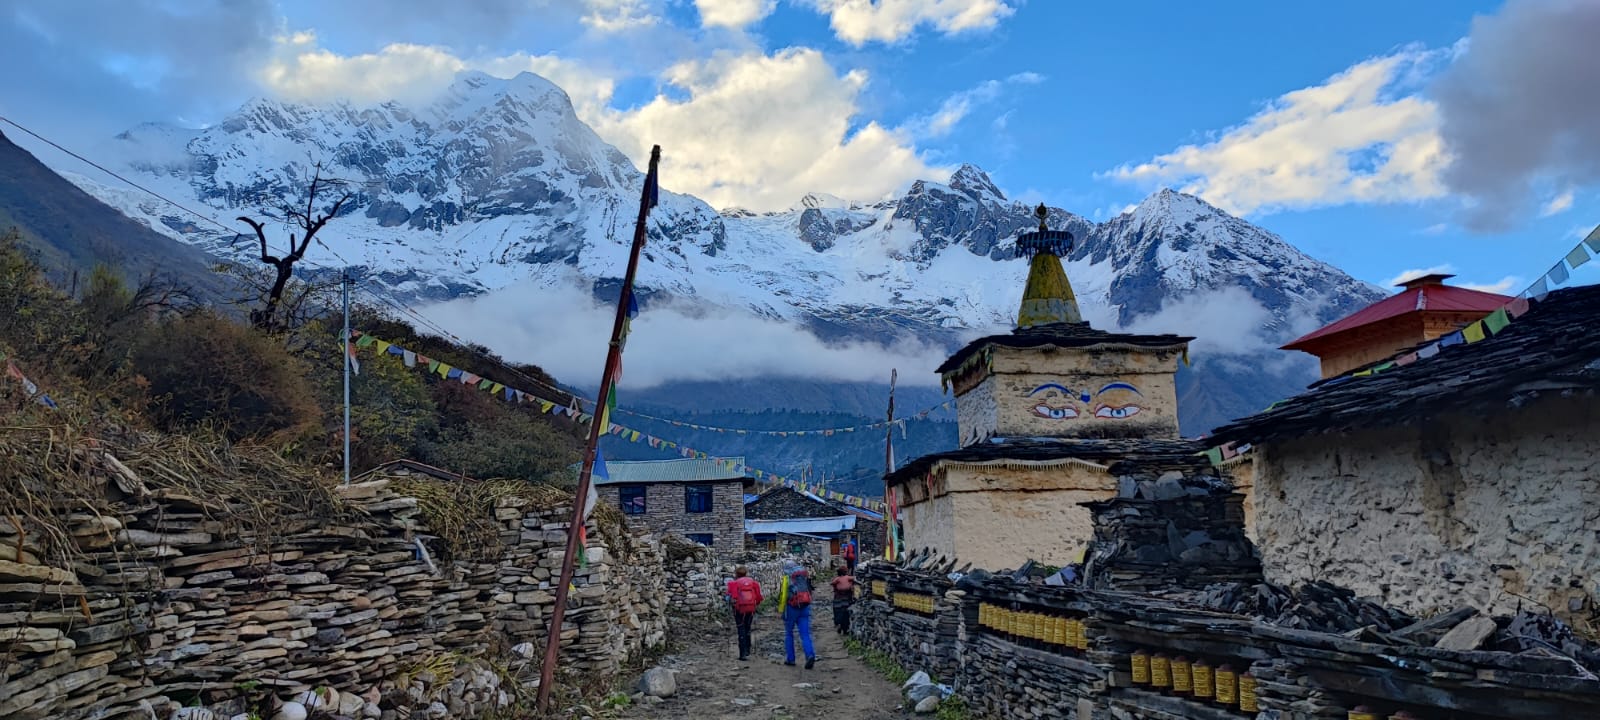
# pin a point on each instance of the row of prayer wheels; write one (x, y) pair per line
(1028, 625)
(1198, 680)
(880, 588)
(914, 602)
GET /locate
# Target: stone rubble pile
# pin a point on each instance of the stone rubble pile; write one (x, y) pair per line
(1172, 530)
(165, 604)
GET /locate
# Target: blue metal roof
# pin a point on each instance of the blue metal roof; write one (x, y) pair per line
(686, 470)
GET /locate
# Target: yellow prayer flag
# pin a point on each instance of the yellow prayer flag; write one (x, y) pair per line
(497, 388)
(1474, 332)
(444, 370)
(383, 347)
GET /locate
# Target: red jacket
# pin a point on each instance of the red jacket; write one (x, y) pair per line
(749, 586)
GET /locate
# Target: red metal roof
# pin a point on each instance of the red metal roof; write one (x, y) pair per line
(1416, 297)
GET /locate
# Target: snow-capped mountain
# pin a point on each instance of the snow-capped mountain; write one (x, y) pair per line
(497, 182)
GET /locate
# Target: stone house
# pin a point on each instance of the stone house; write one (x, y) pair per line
(1043, 413)
(1468, 476)
(697, 498)
(764, 515)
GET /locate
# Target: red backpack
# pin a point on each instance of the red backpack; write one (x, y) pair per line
(799, 588)
(746, 594)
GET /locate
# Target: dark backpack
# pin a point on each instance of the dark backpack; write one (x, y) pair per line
(799, 588)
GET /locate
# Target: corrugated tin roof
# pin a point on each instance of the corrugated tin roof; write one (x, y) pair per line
(1420, 298)
(663, 471)
(802, 526)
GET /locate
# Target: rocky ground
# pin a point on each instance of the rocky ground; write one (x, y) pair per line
(713, 685)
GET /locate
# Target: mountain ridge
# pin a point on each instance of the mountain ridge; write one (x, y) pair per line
(498, 184)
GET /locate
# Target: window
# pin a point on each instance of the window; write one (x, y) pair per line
(631, 499)
(701, 538)
(697, 498)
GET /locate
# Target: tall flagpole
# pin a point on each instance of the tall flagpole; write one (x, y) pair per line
(552, 643)
(888, 467)
(344, 284)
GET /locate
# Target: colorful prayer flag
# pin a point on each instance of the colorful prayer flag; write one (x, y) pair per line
(1454, 338)
(1497, 321)
(1577, 257)
(1558, 274)
(1428, 352)
(363, 340)
(408, 357)
(1474, 332)
(350, 355)
(1517, 308)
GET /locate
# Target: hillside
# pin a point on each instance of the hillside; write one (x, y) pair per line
(71, 232)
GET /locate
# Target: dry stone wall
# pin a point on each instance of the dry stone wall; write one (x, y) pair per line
(167, 605)
(1019, 648)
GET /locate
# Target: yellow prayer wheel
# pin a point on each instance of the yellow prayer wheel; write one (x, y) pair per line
(1227, 685)
(1058, 630)
(1160, 671)
(1204, 683)
(1073, 628)
(1081, 636)
(1247, 695)
(983, 615)
(1141, 667)
(1035, 623)
(1362, 712)
(1008, 622)
(1182, 681)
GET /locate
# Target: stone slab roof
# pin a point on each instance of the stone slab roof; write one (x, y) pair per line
(1119, 455)
(1553, 348)
(1060, 335)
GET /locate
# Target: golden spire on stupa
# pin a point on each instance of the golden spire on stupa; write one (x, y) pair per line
(1048, 298)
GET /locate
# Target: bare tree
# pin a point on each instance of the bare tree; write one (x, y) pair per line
(309, 223)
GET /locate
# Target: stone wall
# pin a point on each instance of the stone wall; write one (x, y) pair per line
(168, 604)
(1497, 511)
(1022, 649)
(1041, 508)
(664, 512)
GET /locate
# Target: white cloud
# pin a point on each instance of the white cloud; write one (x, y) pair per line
(759, 131)
(300, 70)
(1349, 139)
(609, 16)
(734, 14)
(1414, 273)
(956, 107)
(1503, 286)
(1500, 286)
(861, 21)
(670, 342)
(1558, 204)
(1434, 229)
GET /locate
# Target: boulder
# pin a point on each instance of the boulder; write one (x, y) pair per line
(658, 682)
(291, 711)
(928, 705)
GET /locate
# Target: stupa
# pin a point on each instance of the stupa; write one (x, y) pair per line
(1043, 413)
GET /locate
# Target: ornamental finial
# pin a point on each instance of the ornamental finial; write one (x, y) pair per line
(1042, 213)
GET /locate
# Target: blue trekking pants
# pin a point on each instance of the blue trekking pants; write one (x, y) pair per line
(797, 618)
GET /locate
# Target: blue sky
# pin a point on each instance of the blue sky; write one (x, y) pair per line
(1378, 136)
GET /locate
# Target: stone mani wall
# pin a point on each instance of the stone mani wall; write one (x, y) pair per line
(162, 610)
(664, 512)
(1486, 511)
(1006, 670)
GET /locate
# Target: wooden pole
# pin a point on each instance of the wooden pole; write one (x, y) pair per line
(552, 646)
(888, 467)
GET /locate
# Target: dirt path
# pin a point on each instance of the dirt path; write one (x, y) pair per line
(714, 685)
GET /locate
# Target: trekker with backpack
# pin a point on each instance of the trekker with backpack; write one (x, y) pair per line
(744, 594)
(849, 552)
(794, 594)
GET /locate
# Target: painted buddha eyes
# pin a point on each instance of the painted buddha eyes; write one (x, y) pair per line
(1054, 413)
(1116, 413)
(1055, 392)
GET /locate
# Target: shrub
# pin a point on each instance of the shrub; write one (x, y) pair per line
(205, 369)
